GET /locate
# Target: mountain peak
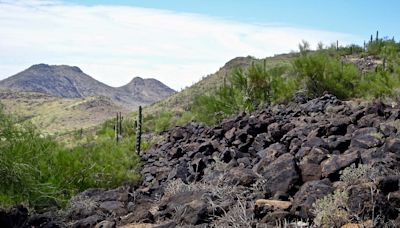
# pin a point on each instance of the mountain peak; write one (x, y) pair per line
(46, 67)
(136, 80)
(39, 66)
(146, 89)
(71, 82)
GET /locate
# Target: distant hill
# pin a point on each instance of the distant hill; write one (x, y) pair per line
(56, 114)
(146, 90)
(71, 82)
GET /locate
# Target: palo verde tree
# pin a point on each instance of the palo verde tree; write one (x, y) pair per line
(245, 90)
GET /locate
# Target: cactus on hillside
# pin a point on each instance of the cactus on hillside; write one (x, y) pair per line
(384, 64)
(139, 130)
(120, 123)
(118, 127)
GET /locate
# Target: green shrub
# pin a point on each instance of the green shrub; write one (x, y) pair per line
(40, 172)
(163, 121)
(350, 49)
(353, 175)
(245, 90)
(211, 109)
(283, 86)
(331, 211)
(324, 73)
(376, 84)
(185, 118)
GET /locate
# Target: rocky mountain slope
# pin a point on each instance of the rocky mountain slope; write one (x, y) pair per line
(264, 169)
(71, 82)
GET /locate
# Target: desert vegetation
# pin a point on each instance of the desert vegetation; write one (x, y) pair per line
(41, 172)
(348, 72)
(315, 72)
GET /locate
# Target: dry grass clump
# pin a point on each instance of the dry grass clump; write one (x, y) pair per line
(331, 211)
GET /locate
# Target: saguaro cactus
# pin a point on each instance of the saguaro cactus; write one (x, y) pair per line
(120, 123)
(118, 127)
(139, 130)
(377, 36)
(384, 64)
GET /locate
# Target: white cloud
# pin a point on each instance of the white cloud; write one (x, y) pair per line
(115, 43)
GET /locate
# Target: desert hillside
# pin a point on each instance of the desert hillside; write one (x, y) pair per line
(59, 115)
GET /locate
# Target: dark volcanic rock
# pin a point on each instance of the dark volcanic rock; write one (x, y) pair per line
(241, 176)
(189, 207)
(15, 217)
(336, 163)
(393, 145)
(366, 138)
(281, 174)
(308, 194)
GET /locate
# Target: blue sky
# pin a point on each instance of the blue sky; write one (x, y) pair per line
(361, 17)
(176, 41)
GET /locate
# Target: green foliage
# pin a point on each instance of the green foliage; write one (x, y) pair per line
(283, 86)
(361, 173)
(322, 72)
(185, 118)
(211, 109)
(245, 90)
(163, 121)
(377, 84)
(350, 49)
(381, 47)
(40, 172)
(331, 211)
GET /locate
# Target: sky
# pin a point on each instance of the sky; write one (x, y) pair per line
(176, 41)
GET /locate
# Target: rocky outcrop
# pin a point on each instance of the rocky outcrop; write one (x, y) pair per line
(262, 168)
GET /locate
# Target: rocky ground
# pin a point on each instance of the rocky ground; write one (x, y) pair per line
(268, 169)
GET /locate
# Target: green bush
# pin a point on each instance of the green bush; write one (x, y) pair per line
(377, 84)
(163, 121)
(211, 109)
(38, 171)
(185, 118)
(350, 49)
(332, 210)
(283, 86)
(324, 73)
(245, 90)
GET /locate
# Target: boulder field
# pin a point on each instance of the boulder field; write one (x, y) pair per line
(263, 169)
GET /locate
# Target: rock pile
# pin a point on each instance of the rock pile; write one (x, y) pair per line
(262, 169)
